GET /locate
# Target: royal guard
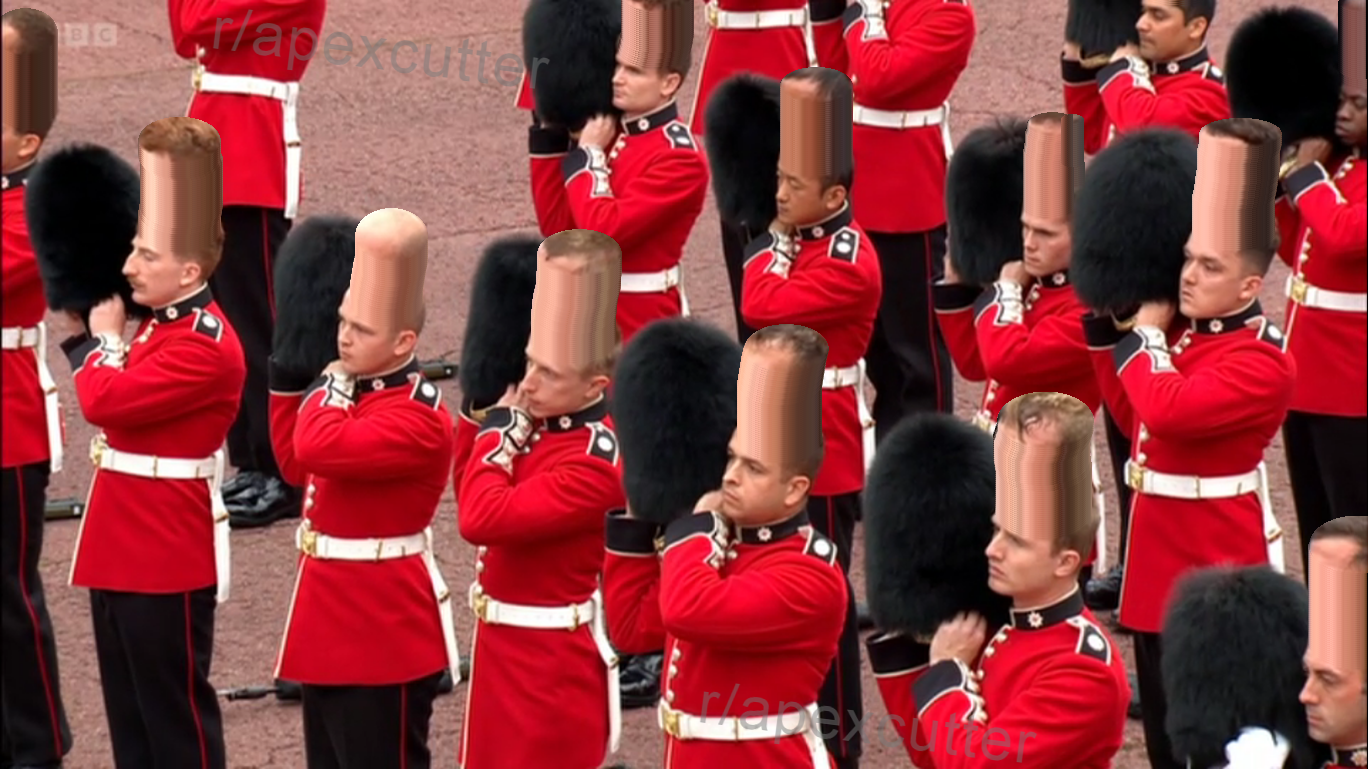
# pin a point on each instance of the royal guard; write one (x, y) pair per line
(246, 84)
(984, 191)
(539, 479)
(1334, 693)
(747, 595)
(153, 544)
(1220, 716)
(33, 722)
(1206, 405)
(817, 267)
(640, 179)
(905, 58)
(1167, 79)
(1324, 230)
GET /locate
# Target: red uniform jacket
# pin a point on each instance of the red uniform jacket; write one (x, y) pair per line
(1323, 216)
(539, 527)
(25, 440)
(273, 40)
(372, 465)
(1049, 690)
(828, 34)
(747, 633)
(772, 52)
(172, 393)
(1186, 94)
(1207, 405)
(645, 193)
(908, 63)
(831, 285)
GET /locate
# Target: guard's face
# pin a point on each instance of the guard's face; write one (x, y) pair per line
(550, 391)
(367, 351)
(19, 149)
(637, 91)
(1047, 245)
(1350, 124)
(1018, 565)
(1335, 700)
(1165, 34)
(158, 278)
(1214, 285)
(801, 201)
(754, 490)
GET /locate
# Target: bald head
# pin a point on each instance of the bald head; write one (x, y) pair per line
(388, 272)
(392, 233)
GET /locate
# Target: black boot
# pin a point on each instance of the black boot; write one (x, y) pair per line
(1104, 593)
(288, 691)
(639, 680)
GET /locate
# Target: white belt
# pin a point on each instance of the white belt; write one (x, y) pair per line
(1147, 481)
(684, 726)
(568, 618)
(1307, 295)
(324, 547)
(655, 283)
(36, 338)
(854, 376)
(288, 93)
(879, 118)
(170, 468)
(720, 19)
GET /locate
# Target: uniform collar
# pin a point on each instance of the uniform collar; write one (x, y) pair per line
(774, 532)
(1178, 66)
(1055, 280)
(1042, 617)
(1229, 323)
(827, 226)
(1354, 757)
(399, 378)
(185, 307)
(567, 422)
(16, 178)
(651, 120)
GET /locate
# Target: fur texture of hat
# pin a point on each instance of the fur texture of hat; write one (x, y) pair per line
(743, 149)
(570, 52)
(984, 188)
(1102, 26)
(1283, 66)
(312, 273)
(499, 323)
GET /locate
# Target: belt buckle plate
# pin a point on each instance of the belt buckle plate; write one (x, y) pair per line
(1298, 292)
(480, 605)
(712, 14)
(669, 720)
(308, 541)
(97, 449)
(1135, 476)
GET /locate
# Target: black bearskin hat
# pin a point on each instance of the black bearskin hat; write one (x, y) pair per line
(984, 187)
(570, 53)
(312, 274)
(1102, 26)
(82, 211)
(1233, 645)
(1132, 220)
(743, 149)
(928, 517)
(494, 352)
(1283, 66)
(674, 410)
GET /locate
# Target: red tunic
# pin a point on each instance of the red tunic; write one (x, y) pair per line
(1049, 690)
(174, 393)
(646, 192)
(747, 632)
(828, 34)
(909, 63)
(25, 437)
(1323, 216)
(1186, 94)
(832, 286)
(373, 466)
(275, 41)
(539, 528)
(1208, 406)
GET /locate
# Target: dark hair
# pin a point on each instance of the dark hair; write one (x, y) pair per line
(1265, 141)
(1198, 9)
(1353, 527)
(679, 21)
(811, 349)
(836, 90)
(36, 54)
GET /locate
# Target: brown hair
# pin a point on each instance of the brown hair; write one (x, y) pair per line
(1072, 421)
(810, 349)
(679, 20)
(1353, 527)
(35, 52)
(1265, 142)
(183, 137)
(589, 246)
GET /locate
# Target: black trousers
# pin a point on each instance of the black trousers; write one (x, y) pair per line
(369, 727)
(1149, 654)
(1119, 447)
(734, 241)
(907, 360)
(243, 285)
(841, 702)
(34, 729)
(1326, 456)
(154, 653)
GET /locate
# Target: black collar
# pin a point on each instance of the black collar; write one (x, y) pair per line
(1039, 619)
(186, 307)
(1179, 66)
(828, 226)
(16, 179)
(768, 535)
(568, 422)
(1349, 757)
(1057, 280)
(1230, 323)
(652, 120)
(400, 378)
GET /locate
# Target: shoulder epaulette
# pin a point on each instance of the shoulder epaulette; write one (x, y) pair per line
(209, 324)
(603, 443)
(1092, 642)
(758, 245)
(845, 245)
(426, 393)
(818, 546)
(1270, 333)
(679, 136)
(1214, 73)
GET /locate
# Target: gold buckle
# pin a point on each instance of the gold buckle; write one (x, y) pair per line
(198, 79)
(1197, 485)
(97, 449)
(712, 14)
(1135, 476)
(671, 721)
(480, 605)
(308, 542)
(1298, 292)
(574, 618)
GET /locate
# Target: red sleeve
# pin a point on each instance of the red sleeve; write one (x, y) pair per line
(897, 662)
(631, 211)
(171, 382)
(954, 304)
(787, 606)
(1012, 352)
(1242, 386)
(1340, 224)
(217, 23)
(631, 586)
(332, 440)
(923, 54)
(1133, 103)
(828, 40)
(825, 290)
(466, 430)
(287, 394)
(547, 148)
(1288, 223)
(1081, 98)
(1102, 336)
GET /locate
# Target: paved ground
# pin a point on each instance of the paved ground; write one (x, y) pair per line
(451, 150)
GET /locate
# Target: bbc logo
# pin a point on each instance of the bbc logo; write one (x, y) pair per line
(101, 35)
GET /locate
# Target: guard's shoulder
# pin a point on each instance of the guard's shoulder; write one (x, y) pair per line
(426, 393)
(679, 137)
(1213, 73)
(845, 245)
(1092, 642)
(820, 547)
(603, 443)
(209, 324)
(1269, 333)
(758, 245)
